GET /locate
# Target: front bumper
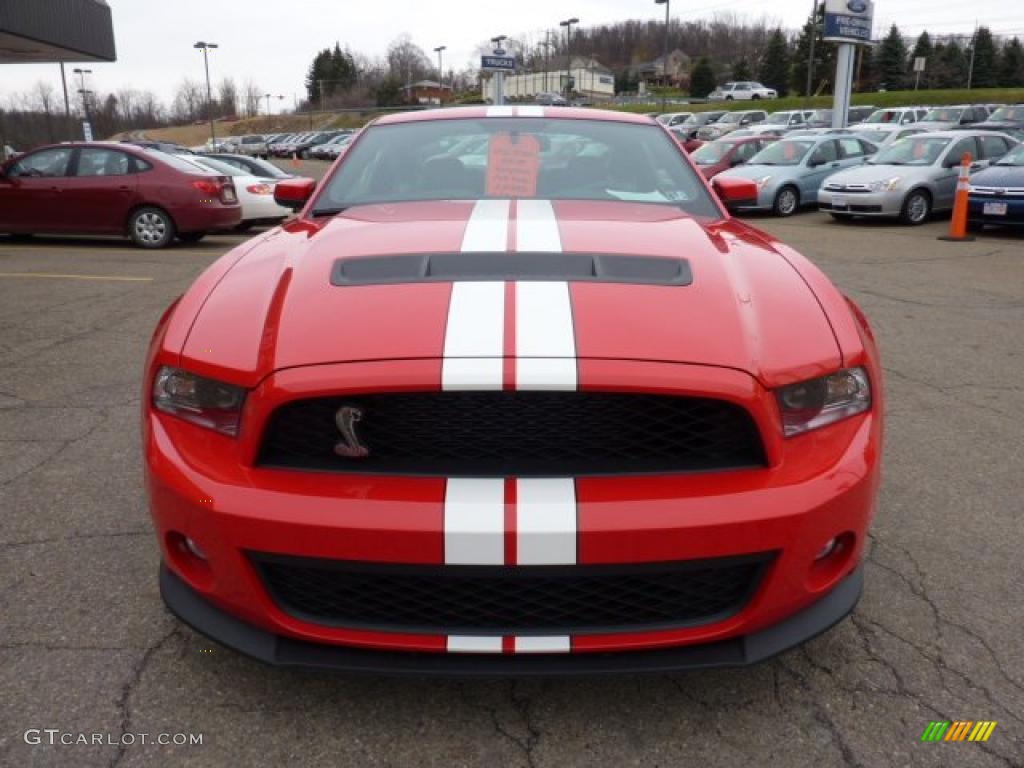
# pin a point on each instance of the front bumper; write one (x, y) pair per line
(1014, 216)
(211, 489)
(886, 204)
(204, 617)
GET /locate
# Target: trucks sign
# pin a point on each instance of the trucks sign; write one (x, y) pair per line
(498, 63)
(848, 21)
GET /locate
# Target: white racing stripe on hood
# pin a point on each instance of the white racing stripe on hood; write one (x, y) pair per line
(545, 337)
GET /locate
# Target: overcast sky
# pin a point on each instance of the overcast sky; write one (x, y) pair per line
(273, 41)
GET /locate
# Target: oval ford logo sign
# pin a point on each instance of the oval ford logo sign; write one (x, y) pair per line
(857, 6)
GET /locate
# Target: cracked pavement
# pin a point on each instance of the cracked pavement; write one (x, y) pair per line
(86, 645)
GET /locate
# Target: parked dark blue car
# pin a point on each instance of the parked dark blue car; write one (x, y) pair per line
(997, 193)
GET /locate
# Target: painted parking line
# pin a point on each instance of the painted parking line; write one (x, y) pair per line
(102, 278)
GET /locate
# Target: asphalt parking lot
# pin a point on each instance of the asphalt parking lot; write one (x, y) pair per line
(87, 647)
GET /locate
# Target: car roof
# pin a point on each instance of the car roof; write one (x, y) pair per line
(478, 112)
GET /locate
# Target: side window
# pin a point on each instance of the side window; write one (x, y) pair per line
(850, 148)
(746, 151)
(908, 117)
(48, 163)
(826, 152)
(867, 148)
(992, 147)
(958, 150)
(140, 166)
(102, 162)
(743, 87)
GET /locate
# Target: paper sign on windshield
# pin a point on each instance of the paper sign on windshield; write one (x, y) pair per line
(513, 164)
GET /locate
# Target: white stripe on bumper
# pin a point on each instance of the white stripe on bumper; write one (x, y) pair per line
(474, 521)
(546, 525)
(474, 644)
(546, 644)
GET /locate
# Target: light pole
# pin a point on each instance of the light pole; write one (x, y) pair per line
(267, 97)
(82, 90)
(206, 48)
(440, 74)
(568, 53)
(810, 54)
(664, 55)
(67, 103)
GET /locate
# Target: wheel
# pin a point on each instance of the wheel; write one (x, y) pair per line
(191, 237)
(787, 200)
(244, 226)
(917, 207)
(728, 98)
(151, 228)
(755, 97)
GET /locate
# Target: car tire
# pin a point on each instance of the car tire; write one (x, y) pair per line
(728, 98)
(755, 97)
(787, 201)
(191, 237)
(151, 227)
(917, 207)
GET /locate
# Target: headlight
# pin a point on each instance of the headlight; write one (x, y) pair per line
(205, 402)
(762, 181)
(815, 403)
(889, 185)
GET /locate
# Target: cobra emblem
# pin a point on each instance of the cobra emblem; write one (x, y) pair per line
(350, 445)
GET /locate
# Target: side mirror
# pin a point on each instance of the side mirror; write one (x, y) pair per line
(735, 193)
(294, 193)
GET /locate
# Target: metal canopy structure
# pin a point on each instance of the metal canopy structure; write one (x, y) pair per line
(39, 31)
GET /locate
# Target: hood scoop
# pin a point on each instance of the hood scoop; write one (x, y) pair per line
(476, 267)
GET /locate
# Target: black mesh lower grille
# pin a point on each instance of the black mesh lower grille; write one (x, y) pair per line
(516, 433)
(502, 599)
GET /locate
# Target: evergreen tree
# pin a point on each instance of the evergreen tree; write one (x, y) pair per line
(1011, 64)
(867, 70)
(774, 70)
(824, 57)
(702, 79)
(950, 70)
(986, 64)
(892, 60)
(922, 48)
(319, 70)
(389, 93)
(741, 69)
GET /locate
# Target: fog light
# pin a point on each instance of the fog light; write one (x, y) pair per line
(828, 549)
(194, 548)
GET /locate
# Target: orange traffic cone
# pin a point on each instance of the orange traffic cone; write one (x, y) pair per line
(958, 221)
(295, 160)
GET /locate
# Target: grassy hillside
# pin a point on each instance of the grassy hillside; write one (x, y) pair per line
(888, 99)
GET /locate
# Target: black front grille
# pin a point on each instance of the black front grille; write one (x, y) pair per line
(517, 434)
(510, 600)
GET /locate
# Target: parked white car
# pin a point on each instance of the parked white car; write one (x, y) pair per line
(255, 193)
(742, 90)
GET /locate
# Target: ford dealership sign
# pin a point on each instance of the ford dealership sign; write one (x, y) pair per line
(849, 21)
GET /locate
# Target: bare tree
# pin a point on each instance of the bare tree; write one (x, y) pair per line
(227, 95)
(45, 100)
(188, 100)
(251, 98)
(407, 62)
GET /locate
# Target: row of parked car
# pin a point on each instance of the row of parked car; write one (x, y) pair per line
(910, 174)
(322, 145)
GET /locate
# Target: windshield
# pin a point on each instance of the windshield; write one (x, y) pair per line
(1008, 113)
(522, 158)
(878, 137)
(947, 115)
(885, 116)
(779, 118)
(1015, 157)
(821, 116)
(913, 150)
(711, 153)
(782, 153)
(732, 117)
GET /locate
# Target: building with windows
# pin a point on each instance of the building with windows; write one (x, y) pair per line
(590, 80)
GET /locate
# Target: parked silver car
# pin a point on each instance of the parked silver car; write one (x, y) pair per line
(731, 121)
(789, 172)
(942, 118)
(252, 145)
(884, 135)
(912, 178)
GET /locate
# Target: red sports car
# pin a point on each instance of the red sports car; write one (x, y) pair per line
(491, 406)
(103, 188)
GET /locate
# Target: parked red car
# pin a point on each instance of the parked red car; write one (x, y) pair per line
(101, 188)
(716, 156)
(491, 412)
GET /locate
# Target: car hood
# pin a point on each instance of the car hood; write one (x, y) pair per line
(747, 308)
(999, 176)
(866, 173)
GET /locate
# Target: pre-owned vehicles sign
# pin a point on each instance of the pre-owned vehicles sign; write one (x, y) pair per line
(849, 21)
